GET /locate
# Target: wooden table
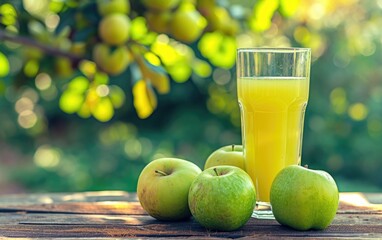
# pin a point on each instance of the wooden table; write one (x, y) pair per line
(117, 214)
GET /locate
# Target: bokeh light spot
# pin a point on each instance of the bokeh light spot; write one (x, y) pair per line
(102, 90)
(46, 157)
(43, 81)
(31, 94)
(317, 11)
(133, 148)
(374, 127)
(221, 76)
(338, 100)
(358, 111)
(37, 8)
(24, 104)
(52, 21)
(302, 35)
(27, 119)
(335, 162)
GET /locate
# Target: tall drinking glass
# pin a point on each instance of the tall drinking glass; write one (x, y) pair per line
(273, 89)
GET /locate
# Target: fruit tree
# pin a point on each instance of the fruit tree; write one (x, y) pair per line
(74, 50)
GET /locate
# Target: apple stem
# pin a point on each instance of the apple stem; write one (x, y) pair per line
(216, 171)
(233, 147)
(160, 172)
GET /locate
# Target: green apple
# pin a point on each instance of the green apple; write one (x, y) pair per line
(106, 7)
(218, 18)
(222, 198)
(304, 199)
(163, 187)
(187, 25)
(114, 29)
(111, 61)
(228, 155)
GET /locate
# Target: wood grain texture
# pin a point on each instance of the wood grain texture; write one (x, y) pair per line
(111, 215)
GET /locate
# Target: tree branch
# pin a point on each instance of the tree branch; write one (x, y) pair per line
(5, 36)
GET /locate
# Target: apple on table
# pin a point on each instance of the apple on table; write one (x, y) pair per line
(228, 155)
(222, 198)
(304, 199)
(163, 187)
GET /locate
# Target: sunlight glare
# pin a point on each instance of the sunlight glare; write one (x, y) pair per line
(46, 157)
(43, 81)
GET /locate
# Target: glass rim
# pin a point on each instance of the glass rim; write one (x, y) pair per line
(274, 49)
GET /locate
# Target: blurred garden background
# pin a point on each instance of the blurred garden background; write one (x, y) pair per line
(91, 91)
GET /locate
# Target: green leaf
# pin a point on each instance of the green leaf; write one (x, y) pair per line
(4, 65)
(117, 96)
(79, 84)
(138, 28)
(8, 14)
(219, 49)
(202, 68)
(289, 7)
(145, 100)
(226, 55)
(262, 15)
(101, 78)
(209, 44)
(136, 74)
(70, 101)
(84, 111)
(31, 68)
(148, 38)
(104, 110)
(154, 68)
(160, 81)
(180, 72)
(56, 6)
(156, 75)
(3, 87)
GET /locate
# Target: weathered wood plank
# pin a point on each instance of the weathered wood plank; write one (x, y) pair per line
(119, 202)
(119, 215)
(134, 208)
(78, 225)
(136, 220)
(359, 203)
(101, 196)
(47, 198)
(109, 207)
(182, 229)
(71, 219)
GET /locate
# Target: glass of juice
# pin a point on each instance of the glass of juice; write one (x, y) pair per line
(273, 90)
